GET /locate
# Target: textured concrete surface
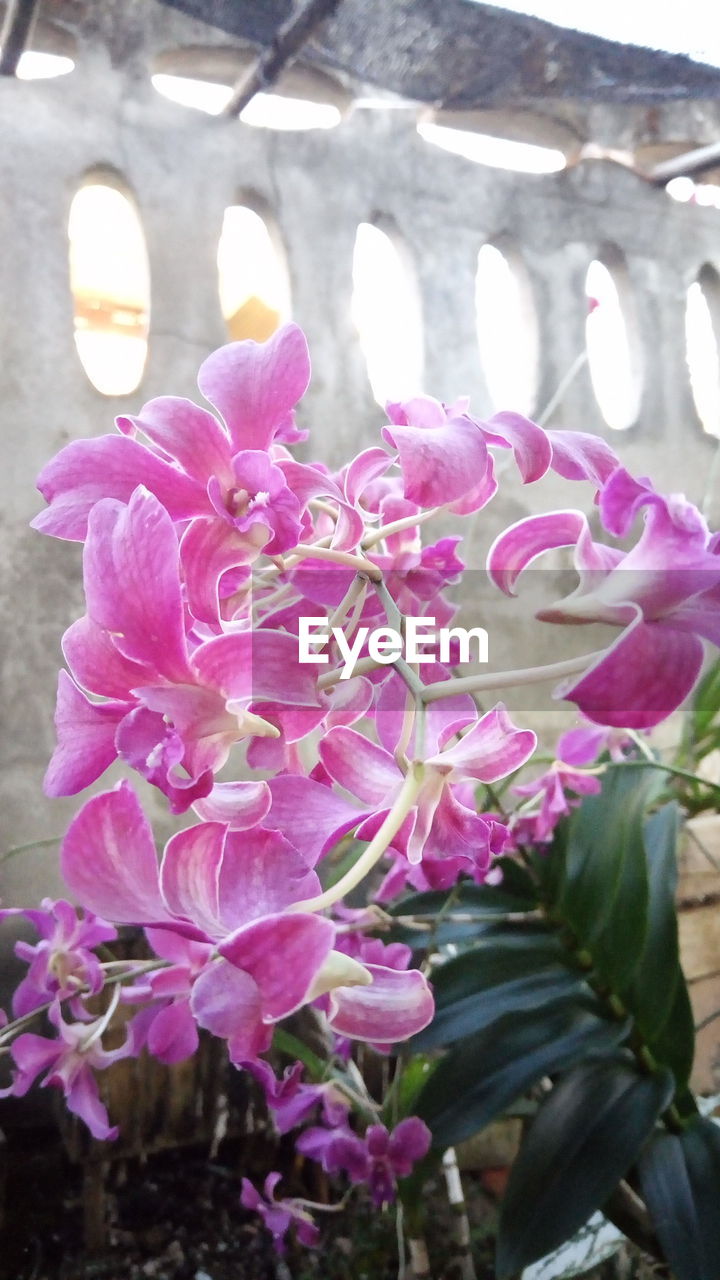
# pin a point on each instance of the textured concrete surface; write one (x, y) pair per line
(184, 169)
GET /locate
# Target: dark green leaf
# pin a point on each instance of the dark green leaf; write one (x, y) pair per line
(605, 893)
(674, 1045)
(680, 1181)
(515, 894)
(658, 974)
(548, 864)
(585, 1137)
(486, 1072)
(478, 1009)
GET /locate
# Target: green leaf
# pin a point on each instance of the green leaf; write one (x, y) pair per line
(486, 1072)
(680, 1181)
(658, 973)
(585, 1137)
(674, 1045)
(412, 1074)
(476, 1009)
(706, 703)
(548, 864)
(516, 894)
(456, 916)
(287, 1043)
(605, 892)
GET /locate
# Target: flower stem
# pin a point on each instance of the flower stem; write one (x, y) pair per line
(404, 802)
(315, 552)
(397, 526)
(9, 1031)
(503, 679)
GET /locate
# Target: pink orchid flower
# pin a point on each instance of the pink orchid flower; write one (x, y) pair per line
(554, 803)
(378, 1159)
(174, 711)
(236, 890)
(664, 593)
(62, 963)
(166, 1026)
(585, 743)
(279, 1215)
(292, 1101)
(439, 828)
(69, 1062)
(229, 484)
(254, 386)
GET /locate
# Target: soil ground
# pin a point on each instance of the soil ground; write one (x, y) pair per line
(177, 1216)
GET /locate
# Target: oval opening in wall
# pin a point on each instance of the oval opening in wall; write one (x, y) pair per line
(507, 328)
(252, 275)
(386, 312)
(203, 77)
(110, 282)
(702, 331)
(612, 343)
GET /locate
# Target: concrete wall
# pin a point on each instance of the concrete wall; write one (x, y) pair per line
(184, 169)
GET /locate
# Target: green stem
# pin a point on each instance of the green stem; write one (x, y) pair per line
(668, 768)
(11, 1030)
(404, 802)
(25, 848)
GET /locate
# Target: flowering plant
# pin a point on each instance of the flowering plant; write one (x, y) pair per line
(547, 927)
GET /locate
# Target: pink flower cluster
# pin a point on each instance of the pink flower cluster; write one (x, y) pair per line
(205, 544)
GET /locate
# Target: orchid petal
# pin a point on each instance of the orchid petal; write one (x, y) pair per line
(398, 1004)
(349, 528)
(357, 764)
(82, 1098)
(643, 677)
(190, 873)
(108, 860)
(85, 739)
(148, 744)
(367, 466)
(307, 482)
(208, 548)
(490, 750)
(349, 701)
(86, 471)
(310, 814)
(577, 455)
(283, 954)
(439, 464)
(420, 411)
(443, 718)
(189, 434)
(528, 441)
(701, 616)
(255, 385)
(97, 664)
(240, 804)
(519, 545)
(260, 874)
(173, 1035)
(227, 1003)
(132, 584)
(259, 665)
(621, 499)
(480, 494)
